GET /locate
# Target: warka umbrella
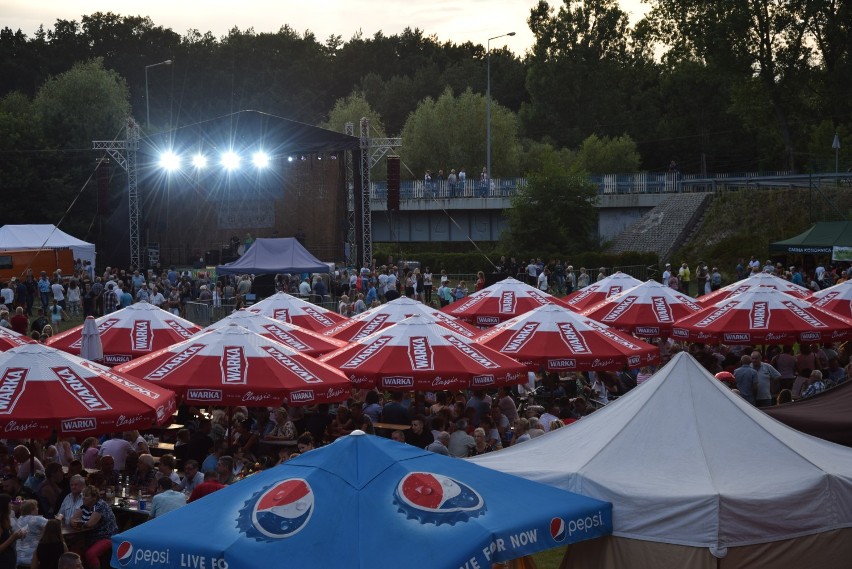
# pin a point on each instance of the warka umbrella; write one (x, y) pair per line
(287, 308)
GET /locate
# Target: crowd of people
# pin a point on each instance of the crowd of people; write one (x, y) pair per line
(69, 483)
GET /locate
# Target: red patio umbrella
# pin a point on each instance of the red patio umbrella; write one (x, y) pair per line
(649, 309)
(499, 302)
(758, 279)
(131, 332)
(43, 389)
(600, 291)
(417, 354)
(295, 337)
(836, 299)
(762, 315)
(11, 339)
(287, 308)
(558, 339)
(397, 310)
(233, 366)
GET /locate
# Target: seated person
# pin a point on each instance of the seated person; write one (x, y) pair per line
(166, 499)
(144, 480)
(166, 469)
(96, 515)
(191, 477)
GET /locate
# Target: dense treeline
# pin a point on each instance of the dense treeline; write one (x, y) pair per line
(740, 85)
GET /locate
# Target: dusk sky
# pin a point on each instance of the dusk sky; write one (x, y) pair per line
(453, 20)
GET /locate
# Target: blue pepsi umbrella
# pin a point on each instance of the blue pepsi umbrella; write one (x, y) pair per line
(365, 501)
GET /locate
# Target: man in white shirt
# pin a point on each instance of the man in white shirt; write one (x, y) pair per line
(667, 274)
(157, 298)
(58, 293)
(167, 499)
(543, 280)
(72, 501)
(304, 288)
(552, 414)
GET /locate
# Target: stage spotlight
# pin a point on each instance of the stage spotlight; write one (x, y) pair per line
(199, 161)
(169, 161)
(230, 160)
(260, 159)
(319, 156)
(289, 159)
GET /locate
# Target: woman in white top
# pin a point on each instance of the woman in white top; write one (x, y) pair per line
(427, 285)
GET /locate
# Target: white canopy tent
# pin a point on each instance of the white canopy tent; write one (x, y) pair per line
(697, 478)
(44, 236)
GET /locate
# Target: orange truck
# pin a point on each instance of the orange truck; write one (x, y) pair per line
(17, 262)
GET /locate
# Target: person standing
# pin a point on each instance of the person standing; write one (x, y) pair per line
(684, 276)
(667, 274)
(58, 291)
(746, 378)
(767, 376)
(427, 285)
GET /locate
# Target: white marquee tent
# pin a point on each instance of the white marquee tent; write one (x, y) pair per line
(697, 478)
(44, 236)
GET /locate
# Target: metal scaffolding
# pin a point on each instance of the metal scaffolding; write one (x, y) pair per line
(127, 160)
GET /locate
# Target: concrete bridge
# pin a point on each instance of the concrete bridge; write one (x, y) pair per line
(473, 210)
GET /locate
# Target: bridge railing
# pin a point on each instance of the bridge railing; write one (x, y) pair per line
(607, 184)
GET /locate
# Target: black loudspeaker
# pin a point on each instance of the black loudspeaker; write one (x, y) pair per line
(393, 183)
(212, 258)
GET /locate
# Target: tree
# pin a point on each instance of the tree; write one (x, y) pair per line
(352, 109)
(450, 133)
(576, 69)
(84, 104)
(765, 41)
(604, 155)
(554, 213)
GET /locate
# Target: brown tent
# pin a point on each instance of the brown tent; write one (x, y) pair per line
(827, 415)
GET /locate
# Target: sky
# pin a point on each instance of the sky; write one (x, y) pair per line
(449, 20)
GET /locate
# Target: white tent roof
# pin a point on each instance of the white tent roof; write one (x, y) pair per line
(686, 461)
(36, 236)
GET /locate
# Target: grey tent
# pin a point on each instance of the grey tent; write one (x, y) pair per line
(273, 256)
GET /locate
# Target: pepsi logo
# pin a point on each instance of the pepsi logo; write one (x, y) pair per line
(437, 499)
(558, 529)
(124, 553)
(280, 511)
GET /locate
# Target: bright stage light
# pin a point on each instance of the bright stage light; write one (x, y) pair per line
(289, 159)
(230, 160)
(199, 161)
(260, 159)
(169, 161)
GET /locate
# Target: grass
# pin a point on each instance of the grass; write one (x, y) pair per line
(550, 559)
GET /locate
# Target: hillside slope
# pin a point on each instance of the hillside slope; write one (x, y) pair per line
(743, 223)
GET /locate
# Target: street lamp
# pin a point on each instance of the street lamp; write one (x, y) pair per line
(147, 107)
(488, 108)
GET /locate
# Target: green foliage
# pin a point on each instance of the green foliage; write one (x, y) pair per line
(553, 213)
(536, 154)
(450, 133)
(352, 109)
(84, 104)
(603, 155)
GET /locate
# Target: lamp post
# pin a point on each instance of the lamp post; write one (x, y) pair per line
(488, 108)
(147, 107)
